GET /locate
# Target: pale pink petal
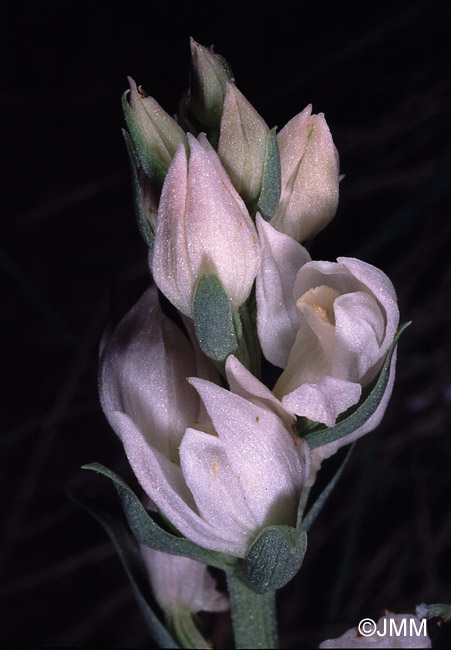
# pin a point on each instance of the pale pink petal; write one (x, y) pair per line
(179, 583)
(277, 318)
(323, 401)
(359, 331)
(222, 237)
(244, 383)
(272, 465)
(375, 280)
(242, 143)
(216, 488)
(170, 265)
(309, 166)
(310, 357)
(330, 274)
(163, 482)
(371, 423)
(143, 369)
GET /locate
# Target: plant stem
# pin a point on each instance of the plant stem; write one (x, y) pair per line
(253, 615)
(184, 629)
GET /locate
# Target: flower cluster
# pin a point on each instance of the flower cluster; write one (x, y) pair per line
(225, 204)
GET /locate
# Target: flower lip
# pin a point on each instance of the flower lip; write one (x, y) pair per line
(321, 301)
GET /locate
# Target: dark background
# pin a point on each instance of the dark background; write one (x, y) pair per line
(72, 258)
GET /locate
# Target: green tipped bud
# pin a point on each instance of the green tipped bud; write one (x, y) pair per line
(248, 150)
(201, 106)
(155, 134)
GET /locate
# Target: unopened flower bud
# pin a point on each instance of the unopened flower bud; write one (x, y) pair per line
(243, 144)
(154, 133)
(182, 584)
(201, 106)
(203, 228)
(310, 168)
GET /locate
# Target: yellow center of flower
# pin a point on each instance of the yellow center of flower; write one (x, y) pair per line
(321, 301)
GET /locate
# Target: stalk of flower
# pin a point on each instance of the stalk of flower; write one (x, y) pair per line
(219, 482)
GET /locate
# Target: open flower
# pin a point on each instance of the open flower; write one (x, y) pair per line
(203, 227)
(220, 481)
(335, 323)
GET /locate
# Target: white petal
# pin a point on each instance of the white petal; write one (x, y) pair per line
(374, 280)
(164, 483)
(323, 401)
(277, 319)
(216, 489)
(272, 466)
(242, 382)
(143, 369)
(170, 266)
(242, 143)
(371, 423)
(359, 332)
(292, 141)
(330, 274)
(220, 233)
(310, 357)
(309, 165)
(181, 583)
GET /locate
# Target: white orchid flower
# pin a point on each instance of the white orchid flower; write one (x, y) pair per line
(219, 482)
(328, 325)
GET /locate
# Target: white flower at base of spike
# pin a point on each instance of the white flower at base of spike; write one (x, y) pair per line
(180, 584)
(219, 482)
(391, 631)
(203, 227)
(310, 175)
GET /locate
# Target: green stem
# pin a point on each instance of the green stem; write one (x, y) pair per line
(184, 629)
(253, 615)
